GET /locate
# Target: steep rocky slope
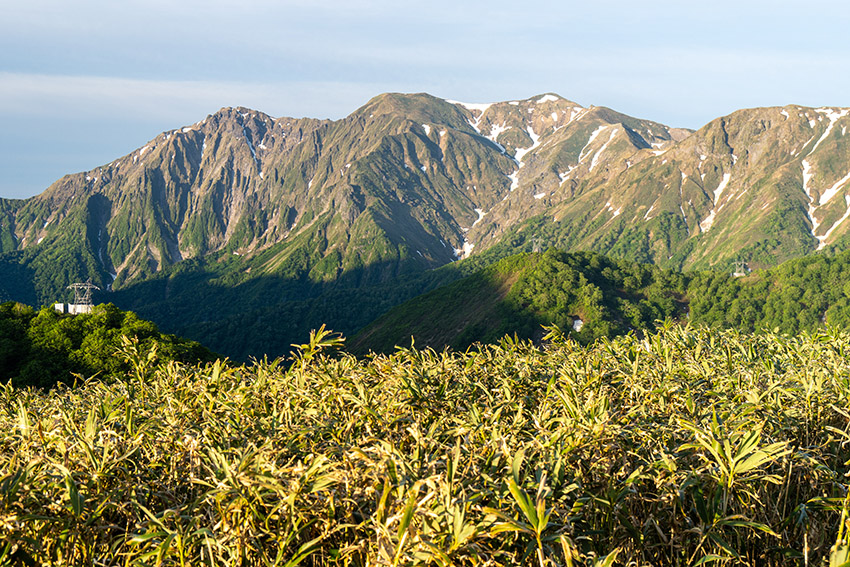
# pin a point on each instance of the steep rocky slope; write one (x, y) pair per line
(761, 185)
(403, 181)
(244, 211)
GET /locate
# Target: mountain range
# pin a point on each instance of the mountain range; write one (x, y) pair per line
(243, 226)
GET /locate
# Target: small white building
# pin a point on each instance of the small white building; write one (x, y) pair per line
(82, 299)
(72, 308)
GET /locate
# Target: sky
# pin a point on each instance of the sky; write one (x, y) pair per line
(86, 81)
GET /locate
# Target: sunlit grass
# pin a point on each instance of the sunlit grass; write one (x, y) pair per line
(690, 446)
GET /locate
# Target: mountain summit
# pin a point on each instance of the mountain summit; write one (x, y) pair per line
(410, 182)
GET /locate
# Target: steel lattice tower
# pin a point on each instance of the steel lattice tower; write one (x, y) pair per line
(82, 292)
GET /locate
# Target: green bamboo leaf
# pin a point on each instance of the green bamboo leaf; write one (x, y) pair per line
(607, 560)
(407, 514)
(381, 511)
(516, 464)
(723, 544)
(744, 523)
(840, 556)
(507, 523)
(76, 499)
(523, 500)
(710, 559)
(306, 550)
(142, 538)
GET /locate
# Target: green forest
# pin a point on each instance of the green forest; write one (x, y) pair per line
(520, 294)
(43, 347)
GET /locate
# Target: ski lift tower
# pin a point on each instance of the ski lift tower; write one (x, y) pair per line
(82, 298)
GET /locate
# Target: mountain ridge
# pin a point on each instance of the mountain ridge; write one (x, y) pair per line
(410, 182)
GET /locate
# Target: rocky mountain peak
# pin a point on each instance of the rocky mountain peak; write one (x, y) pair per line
(411, 181)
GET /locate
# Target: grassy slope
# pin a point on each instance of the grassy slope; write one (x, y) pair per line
(440, 316)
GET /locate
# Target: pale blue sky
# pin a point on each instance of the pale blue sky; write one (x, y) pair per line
(85, 81)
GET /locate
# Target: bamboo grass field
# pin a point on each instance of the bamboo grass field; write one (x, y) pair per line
(688, 446)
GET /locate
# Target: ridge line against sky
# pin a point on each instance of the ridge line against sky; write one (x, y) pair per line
(86, 82)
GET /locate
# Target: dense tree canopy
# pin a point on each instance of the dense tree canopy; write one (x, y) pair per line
(43, 347)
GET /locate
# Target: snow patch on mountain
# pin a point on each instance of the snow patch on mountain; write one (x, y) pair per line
(581, 155)
(611, 208)
(247, 136)
(576, 113)
(827, 195)
(535, 141)
(721, 186)
(514, 177)
(706, 223)
(548, 98)
(520, 153)
(807, 177)
(843, 218)
(473, 107)
(495, 131)
(833, 116)
(595, 159)
(427, 129)
(480, 216)
(464, 251)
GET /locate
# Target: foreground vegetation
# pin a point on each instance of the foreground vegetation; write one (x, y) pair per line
(687, 447)
(43, 347)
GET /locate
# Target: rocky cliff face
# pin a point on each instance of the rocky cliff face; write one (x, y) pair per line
(409, 182)
(762, 185)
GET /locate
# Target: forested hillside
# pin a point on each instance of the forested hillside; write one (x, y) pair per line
(591, 296)
(42, 348)
(586, 294)
(799, 295)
